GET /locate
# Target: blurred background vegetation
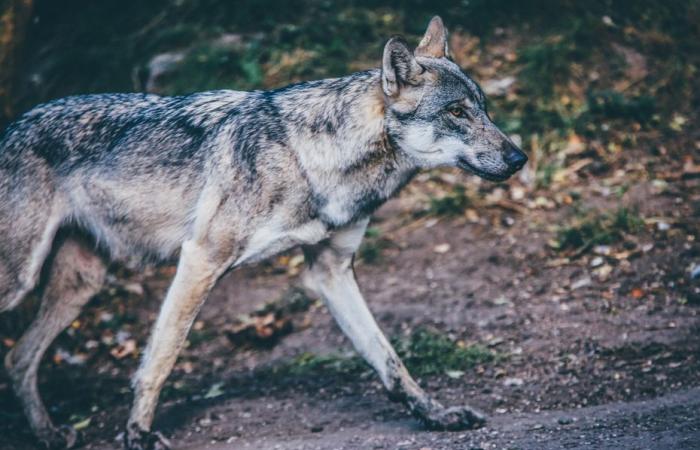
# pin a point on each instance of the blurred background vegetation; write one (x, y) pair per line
(614, 70)
(599, 89)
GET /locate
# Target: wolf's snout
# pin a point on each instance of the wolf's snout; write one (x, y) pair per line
(513, 156)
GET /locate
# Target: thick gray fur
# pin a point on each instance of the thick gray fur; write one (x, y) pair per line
(221, 179)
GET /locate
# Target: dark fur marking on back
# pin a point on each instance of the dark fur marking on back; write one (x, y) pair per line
(261, 126)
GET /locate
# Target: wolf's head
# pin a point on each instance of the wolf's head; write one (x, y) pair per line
(437, 115)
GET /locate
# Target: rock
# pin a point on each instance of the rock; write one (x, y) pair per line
(565, 421)
(442, 248)
(517, 193)
(498, 87)
(134, 288)
(159, 66)
(695, 272)
(597, 261)
(513, 382)
(164, 64)
(580, 283)
(602, 250)
(106, 316)
(205, 422)
(502, 301)
(229, 41)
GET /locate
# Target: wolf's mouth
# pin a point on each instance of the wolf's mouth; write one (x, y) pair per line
(463, 164)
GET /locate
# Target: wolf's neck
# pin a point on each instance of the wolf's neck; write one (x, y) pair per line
(342, 146)
(337, 121)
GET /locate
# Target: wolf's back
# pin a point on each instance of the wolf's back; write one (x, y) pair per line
(138, 130)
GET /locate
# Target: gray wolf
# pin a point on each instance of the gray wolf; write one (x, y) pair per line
(223, 179)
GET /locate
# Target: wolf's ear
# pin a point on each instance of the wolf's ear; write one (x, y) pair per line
(399, 67)
(434, 43)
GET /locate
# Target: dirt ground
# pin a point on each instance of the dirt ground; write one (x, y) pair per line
(584, 358)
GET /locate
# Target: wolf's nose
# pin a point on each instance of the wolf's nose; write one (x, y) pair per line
(514, 157)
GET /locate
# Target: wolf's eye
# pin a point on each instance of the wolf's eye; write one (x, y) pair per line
(457, 111)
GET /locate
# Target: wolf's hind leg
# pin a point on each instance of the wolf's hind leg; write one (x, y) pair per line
(331, 276)
(76, 275)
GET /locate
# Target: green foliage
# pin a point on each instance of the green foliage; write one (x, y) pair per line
(545, 174)
(428, 352)
(545, 63)
(594, 228)
(197, 337)
(210, 67)
(373, 246)
(614, 105)
(451, 204)
(308, 364)
(101, 46)
(425, 353)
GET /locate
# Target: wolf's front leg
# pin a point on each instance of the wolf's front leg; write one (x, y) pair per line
(196, 274)
(332, 277)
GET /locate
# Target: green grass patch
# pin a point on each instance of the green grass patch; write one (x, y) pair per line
(428, 352)
(425, 353)
(308, 364)
(596, 228)
(451, 204)
(209, 67)
(545, 175)
(614, 105)
(373, 246)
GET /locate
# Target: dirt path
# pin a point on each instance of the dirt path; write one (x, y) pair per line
(577, 360)
(666, 422)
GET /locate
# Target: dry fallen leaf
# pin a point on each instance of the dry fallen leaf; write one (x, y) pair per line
(574, 145)
(261, 329)
(215, 390)
(128, 347)
(603, 272)
(471, 215)
(690, 169)
(82, 424)
(295, 264)
(637, 293)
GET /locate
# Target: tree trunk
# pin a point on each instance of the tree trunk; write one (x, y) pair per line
(13, 28)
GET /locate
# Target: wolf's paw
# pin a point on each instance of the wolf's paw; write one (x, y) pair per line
(457, 418)
(60, 438)
(137, 439)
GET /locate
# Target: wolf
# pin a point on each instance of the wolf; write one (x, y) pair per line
(222, 179)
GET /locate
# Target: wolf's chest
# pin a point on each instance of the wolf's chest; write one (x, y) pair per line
(348, 202)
